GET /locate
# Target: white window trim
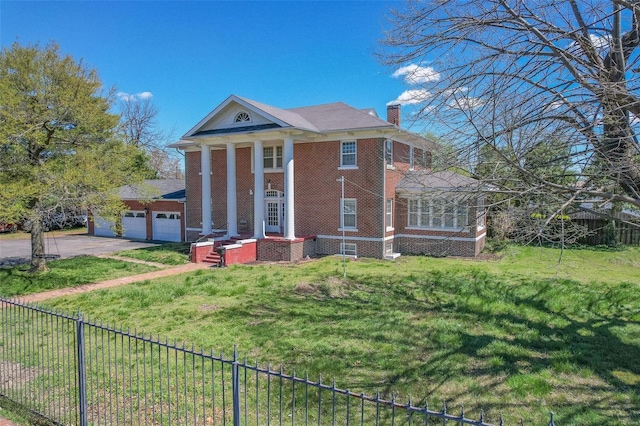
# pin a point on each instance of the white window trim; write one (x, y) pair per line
(241, 123)
(388, 248)
(355, 154)
(388, 154)
(481, 213)
(412, 158)
(355, 214)
(275, 157)
(430, 227)
(389, 221)
(344, 248)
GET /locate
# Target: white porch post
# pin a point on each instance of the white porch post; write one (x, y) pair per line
(289, 226)
(232, 209)
(205, 168)
(258, 190)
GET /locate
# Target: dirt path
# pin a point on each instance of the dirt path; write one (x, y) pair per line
(39, 297)
(5, 422)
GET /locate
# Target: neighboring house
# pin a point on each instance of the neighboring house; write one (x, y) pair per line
(254, 170)
(159, 217)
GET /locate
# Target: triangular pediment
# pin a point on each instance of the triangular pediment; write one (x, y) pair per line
(235, 115)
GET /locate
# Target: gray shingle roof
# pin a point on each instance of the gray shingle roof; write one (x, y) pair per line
(339, 116)
(168, 189)
(289, 117)
(323, 118)
(418, 181)
(326, 118)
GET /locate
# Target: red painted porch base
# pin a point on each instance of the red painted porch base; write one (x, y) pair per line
(273, 248)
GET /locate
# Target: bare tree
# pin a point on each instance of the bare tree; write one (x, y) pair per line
(138, 121)
(166, 165)
(501, 79)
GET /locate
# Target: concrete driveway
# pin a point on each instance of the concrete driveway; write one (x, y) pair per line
(16, 251)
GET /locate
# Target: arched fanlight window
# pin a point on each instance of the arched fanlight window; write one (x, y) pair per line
(242, 117)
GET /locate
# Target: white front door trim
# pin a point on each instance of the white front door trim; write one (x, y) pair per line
(274, 205)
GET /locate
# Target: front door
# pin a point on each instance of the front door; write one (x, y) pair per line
(274, 209)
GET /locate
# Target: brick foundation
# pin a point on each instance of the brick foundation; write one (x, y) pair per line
(279, 249)
(439, 247)
(330, 246)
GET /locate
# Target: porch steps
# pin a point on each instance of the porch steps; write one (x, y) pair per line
(214, 258)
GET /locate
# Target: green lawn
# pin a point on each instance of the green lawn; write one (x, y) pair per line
(522, 335)
(14, 413)
(17, 281)
(168, 254)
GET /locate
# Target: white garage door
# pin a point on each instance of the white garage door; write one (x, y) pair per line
(102, 227)
(134, 224)
(166, 226)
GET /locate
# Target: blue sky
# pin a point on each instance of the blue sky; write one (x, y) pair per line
(191, 55)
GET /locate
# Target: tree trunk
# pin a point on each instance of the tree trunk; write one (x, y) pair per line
(38, 261)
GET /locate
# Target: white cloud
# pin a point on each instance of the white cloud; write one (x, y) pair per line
(411, 97)
(466, 103)
(600, 43)
(554, 105)
(414, 74)
(449, 92)
(135, 97)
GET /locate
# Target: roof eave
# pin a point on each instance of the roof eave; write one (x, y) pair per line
(181, 144)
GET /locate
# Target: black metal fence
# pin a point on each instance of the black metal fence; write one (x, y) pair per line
(76, 372)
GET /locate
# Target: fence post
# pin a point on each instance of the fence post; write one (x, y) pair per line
(235, 378)
(82, 373)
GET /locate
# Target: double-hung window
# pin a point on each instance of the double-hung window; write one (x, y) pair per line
(437, 214)
(348, 154)
(388, 153)
(414, 212)
(412, 158)
(348, 211)
(272, 157)
(389, 214)
(424, 161)
(481, 215)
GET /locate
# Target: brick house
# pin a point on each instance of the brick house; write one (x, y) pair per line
(275, 175)
(155, 212)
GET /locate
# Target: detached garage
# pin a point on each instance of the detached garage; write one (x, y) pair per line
(160, 218)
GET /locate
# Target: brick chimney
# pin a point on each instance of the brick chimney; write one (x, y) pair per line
(393, 114)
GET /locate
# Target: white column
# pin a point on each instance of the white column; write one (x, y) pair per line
(205, 168)
(258, 190)
(232, 205)
(289, 215)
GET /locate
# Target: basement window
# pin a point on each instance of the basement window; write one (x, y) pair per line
(349, 249)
